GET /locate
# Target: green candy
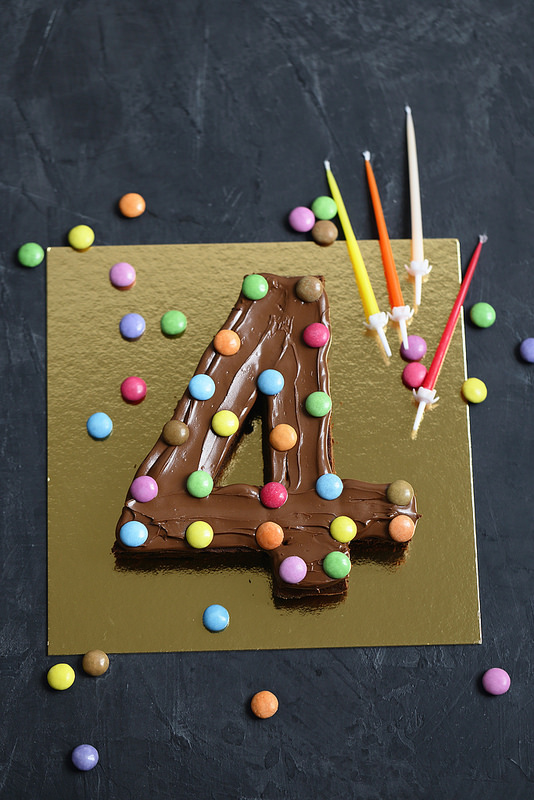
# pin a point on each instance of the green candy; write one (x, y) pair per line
(30, 254)
(324, 207)
(255, 287)
(173, 323)
(199, 483)
(318, 404)
(336, 564)
(483, 315)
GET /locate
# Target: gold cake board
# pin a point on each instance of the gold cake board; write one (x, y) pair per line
(431, 598)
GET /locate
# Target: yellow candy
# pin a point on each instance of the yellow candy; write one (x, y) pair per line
(343, 529)
(224, 423)
(199, 534)
(474, 390)
(81, 237)
(60, 676)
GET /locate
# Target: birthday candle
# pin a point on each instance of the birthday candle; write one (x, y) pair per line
(376, 320)
(426, 394)
(399, 312)
(419, 265)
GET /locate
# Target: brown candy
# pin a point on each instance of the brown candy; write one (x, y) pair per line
(400, 493)
(175, 432)
(95, 662)
(309, 289)
(324, 232)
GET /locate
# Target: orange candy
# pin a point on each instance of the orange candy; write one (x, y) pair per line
(283, 437)
(401, 528)
(132, 205)
(269, 535)
(264, 704)
(227, 342)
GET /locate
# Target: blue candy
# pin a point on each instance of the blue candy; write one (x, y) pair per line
(329, 486)
(99, 425)
(133, 533)
(216, 618)
(201, 387)
(270, 381)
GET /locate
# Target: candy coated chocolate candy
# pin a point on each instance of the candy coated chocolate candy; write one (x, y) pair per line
(132, 205)
(255, 287)
(526, 350)
(414, 374)
(318, 404)
(95, 662)
(30, 254)
(225, 423)
(99, 425)
(401, 528)
(85, 757)
(316, 334)
(416, 349)
(496, 681)
(293, 569)
(60, 677)
(309, 288)
(283, 437)
(199, 534)
(269, 535)
(400, 493)
(264, 704)
(227, 342)
(175, 432)
(132, 326)
(324, 233)
(216, 618)
(133, 533)
(273, 495)
(199, 483)
(133, 390)
(343, 529)
(302, 219)
(201, 387)
(324, 207)
(270, 381)
(336, 565)
(144, 489)
(122, 275)
(173, 323)
(483, 315)
(329, 486)
(474, 390)
(81, 237)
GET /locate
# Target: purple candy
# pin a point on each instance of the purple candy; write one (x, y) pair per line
(526, 350)
(132, 326)
(496, 681)
(302, 219)
(416, 349)
(293, 569)
(144, 488)
(85, 757)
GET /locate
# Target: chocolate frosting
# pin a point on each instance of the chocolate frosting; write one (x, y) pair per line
(270, 330)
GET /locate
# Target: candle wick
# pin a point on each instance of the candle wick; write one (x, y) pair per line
(482, 238)
(327, 165)
(408, 109)
(367, 155)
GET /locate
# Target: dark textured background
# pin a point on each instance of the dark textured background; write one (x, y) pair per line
(220, 114)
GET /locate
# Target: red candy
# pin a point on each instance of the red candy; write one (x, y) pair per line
(133, 390)
(316, 334)
(273, 495)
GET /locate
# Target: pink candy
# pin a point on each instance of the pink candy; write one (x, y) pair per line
(133, 390)
(316, 334)
(273, 495)
(293, 569)
(302, 219)
(122, 275)
(143, 489)
(413, 375)
(496, 681)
